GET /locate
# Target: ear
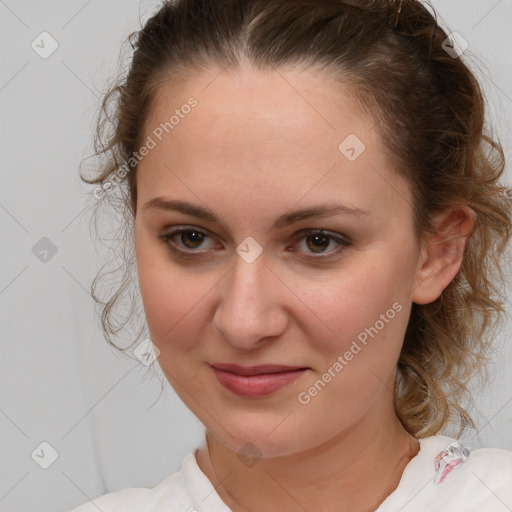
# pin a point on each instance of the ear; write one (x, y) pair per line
(442, 253)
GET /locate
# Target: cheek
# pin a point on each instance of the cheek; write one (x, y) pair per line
(355, 360)
(356, 299)
(172, 301)
(172, 295)
(366, 310)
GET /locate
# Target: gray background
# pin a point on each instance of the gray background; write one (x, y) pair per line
(60, 382)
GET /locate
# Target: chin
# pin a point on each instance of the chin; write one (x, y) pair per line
(271, 438)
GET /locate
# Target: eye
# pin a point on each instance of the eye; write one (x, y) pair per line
(318, 241)
(188, 239)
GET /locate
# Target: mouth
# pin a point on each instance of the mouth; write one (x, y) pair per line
(256, 381)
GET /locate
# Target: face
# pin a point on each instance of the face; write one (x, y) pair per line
(278, 263)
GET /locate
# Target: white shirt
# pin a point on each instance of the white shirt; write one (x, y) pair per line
(461, 481)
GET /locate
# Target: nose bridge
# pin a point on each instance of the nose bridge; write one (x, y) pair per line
(247, 286)
(248, 310)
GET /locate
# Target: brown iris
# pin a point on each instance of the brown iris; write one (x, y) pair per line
(318, 242)
(194, 237)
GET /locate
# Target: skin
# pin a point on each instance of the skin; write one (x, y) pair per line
(253, 149)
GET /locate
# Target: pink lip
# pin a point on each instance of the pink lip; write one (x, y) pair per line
(256, 381)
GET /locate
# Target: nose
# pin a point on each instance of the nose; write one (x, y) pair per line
(250, 310)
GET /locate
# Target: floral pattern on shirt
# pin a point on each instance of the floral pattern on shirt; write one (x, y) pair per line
(449, 459)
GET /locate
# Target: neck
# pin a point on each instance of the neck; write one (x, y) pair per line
(354, 471)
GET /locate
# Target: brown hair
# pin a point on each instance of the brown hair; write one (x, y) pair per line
(430, 112)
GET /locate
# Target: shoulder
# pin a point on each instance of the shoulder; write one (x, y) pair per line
(492, 468)
(124, 500)
(450, 454)
(445, 475)
(479, 479)
(171, 492)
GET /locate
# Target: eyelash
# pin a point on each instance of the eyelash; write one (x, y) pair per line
(167, 240)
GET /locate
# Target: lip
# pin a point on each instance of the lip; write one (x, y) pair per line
(256, 381)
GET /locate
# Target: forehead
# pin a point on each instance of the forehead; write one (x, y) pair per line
(286, 128)
(279, 105)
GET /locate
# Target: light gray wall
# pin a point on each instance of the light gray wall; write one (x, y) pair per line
(59, 381)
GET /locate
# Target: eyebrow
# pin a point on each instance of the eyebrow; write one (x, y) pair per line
(201, 212)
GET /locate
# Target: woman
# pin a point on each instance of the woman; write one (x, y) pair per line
(317, 224)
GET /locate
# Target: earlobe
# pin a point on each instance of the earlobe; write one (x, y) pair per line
(443, 252)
